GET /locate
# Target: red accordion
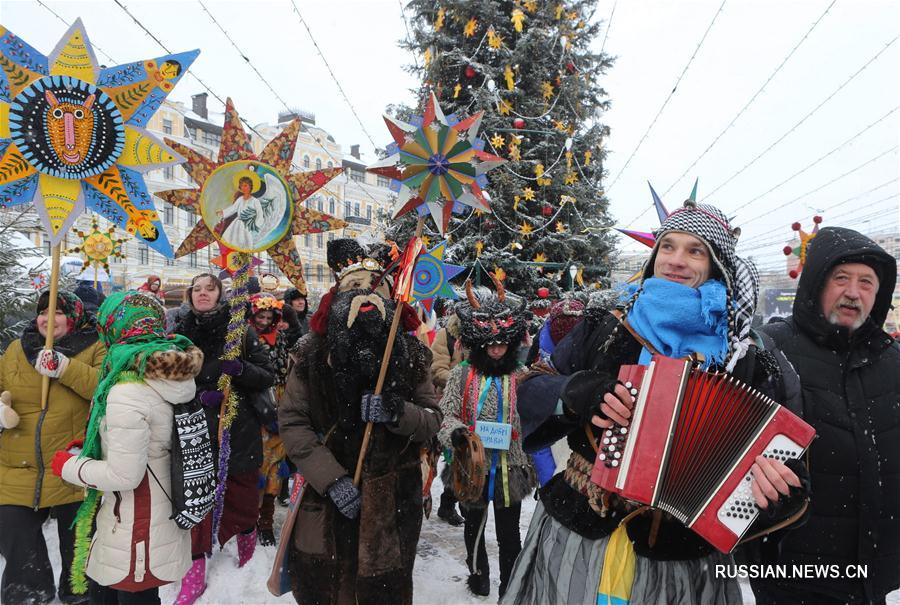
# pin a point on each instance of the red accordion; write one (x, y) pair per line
(690, 444)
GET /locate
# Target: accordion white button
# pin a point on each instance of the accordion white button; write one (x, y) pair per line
(628, 385)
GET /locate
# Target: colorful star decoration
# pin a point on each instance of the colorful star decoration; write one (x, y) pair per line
(253, 203)
(437, 165)
(98, 246)
(800, 250)
(431, 277)
(72, 136)
(231, 260)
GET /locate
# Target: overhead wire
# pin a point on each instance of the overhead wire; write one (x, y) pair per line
(333, 77)
(668, 98)
(752, 98)
(802, 170)
(804, 118)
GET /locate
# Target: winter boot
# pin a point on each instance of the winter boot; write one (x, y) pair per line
(447, 509)
(246, 544)
(479, 584)
(266, 537)
(284, 495)
(193, 584)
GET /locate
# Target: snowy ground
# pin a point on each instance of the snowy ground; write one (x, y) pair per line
(440, 573)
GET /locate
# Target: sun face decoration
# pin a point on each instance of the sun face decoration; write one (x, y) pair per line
(437, 165)
(98, 246)
(71, 134)
(249, 203)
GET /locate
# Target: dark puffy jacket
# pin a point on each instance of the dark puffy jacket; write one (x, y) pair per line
(208, 333)
(851, 395)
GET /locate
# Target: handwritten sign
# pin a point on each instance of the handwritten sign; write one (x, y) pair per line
(494, 435)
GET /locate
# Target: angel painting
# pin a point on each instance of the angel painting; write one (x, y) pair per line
(257, 210)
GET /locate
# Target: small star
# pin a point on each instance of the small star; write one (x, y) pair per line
(498, 141)
(469, 29)
(528, 193)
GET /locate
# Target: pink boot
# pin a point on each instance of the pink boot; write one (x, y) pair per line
(246, 544)
(193, 583)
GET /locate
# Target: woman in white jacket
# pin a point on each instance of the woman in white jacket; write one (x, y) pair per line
(136, 547)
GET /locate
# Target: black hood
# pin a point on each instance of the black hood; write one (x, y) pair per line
(833, 246)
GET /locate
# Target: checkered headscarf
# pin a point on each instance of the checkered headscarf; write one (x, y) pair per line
(740, 275)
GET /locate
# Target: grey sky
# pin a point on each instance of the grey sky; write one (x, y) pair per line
(653, 40)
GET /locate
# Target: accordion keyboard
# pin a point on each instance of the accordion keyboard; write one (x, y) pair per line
(740, 509)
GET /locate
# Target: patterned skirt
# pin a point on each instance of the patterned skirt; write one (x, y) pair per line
(559, 567)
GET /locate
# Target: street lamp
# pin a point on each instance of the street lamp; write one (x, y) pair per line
(573, 271)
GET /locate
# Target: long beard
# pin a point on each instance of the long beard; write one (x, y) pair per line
(488, 366)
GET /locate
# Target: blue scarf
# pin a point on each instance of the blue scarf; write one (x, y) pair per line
(678, 320)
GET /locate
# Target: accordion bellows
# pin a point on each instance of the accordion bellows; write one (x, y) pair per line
(688, 450)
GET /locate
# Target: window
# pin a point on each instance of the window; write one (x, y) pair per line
(356, 209)
(170, 262)
(331, 236)
(383, 181)
(308, 270)
(357, 175)
(169, 214)
(211, 139)
(306, 161)
(167, 126)
(45, 244)
(191, 133)
(330, 164)
(368, 212)
(318, 164)
(169, 173)
(346, 208)
(319, 240)
(320, 204)
(143, 254)
(331, 206)
(307, 240)
(319, 273)
(271, 266)
(193, 260)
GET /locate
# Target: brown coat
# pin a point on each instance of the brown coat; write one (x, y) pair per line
(339, 560)
(442, 359)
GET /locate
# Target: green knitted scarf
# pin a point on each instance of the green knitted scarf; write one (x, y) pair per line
(132, 325)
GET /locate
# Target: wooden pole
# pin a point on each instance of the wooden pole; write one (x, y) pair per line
(51, 319)
(382, 373)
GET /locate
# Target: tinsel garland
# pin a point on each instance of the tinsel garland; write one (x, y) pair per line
(234, 339)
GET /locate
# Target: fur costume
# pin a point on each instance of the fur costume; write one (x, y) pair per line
(338, 560)
(483, 389)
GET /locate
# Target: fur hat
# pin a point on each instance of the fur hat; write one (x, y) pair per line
(492, 318)
(346, 255)
(564, 315)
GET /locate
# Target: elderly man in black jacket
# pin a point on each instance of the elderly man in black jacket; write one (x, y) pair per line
(850, 375)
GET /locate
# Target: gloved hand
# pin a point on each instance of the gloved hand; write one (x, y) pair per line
(373, 408)
(51, 363)
(59, 459)
(211, 399)
(74, 447)
(458, 437)
(586, 391)
(785, 505)
(232, 367)
(345, 496)
(9, 419)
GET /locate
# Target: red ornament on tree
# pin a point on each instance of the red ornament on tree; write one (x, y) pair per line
(546, 210)
(519, 123)
(543, 292)
(570, 67)
(470, 71)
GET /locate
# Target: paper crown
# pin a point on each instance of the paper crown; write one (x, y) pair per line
(346, 255)
(800, 250)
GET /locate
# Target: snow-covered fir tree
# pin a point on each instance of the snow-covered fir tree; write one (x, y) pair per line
(17, 304)
(529, 66)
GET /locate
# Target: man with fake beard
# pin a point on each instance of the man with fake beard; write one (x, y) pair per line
(480, 398)
(850, 377)
(357, 545)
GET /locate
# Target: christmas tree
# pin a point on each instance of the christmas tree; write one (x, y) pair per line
(529, 67)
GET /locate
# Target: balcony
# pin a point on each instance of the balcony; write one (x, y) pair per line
(358, 220)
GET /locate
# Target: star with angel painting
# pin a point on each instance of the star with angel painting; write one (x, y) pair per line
(251, 203)
(72, 134)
